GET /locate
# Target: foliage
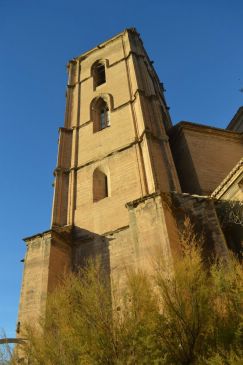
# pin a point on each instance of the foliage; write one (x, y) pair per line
(202, 308)
(189, 315)
(230, 212)
(6, 350)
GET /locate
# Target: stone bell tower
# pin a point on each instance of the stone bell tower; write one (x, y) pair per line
(113, 150)
(115, 132)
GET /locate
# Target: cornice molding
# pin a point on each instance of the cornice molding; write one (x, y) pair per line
(146, 133)
(229, 180)
(176, 130)
(60, 232)
(139, 92)
(65, 130)
(103, 44)
(61, 171)
(110, 65)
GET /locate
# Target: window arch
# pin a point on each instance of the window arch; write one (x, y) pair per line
(100, 185)
(100, 114)
(98, 73)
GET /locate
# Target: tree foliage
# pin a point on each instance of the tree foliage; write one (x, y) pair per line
(191, 314)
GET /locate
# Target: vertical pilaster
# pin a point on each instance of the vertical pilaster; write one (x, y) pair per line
(47, 258)
(152, 119)
(75, 146)
(62, 171)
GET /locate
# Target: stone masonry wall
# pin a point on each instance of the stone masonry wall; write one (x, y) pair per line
(204, 156)
(47, 258)
(155, 224)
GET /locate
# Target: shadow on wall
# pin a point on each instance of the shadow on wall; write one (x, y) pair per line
(184, 164)
(202, 213)
(89, 245)
(230, 214)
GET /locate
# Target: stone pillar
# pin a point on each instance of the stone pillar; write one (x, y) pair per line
(149, 231)
(47, 258)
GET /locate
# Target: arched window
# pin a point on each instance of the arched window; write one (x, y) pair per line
(100, 185)
(100, 115)
(98, 72)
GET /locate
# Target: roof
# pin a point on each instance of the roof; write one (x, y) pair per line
(175, 130)
(235, 119)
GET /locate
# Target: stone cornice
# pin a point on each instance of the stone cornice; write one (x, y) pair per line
(42, 234)
(200, 128)
(145, 133)
(110, 65)
(134, 203)
(65, 130)
(123, 148)
(139, 92)
(230, 178)
(117, 230)
(55, 230)
(60, 170)
(103, 44)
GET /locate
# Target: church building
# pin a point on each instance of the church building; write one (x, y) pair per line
(126, 178)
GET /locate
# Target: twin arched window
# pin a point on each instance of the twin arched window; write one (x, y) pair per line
(100, 114)
(100, 185)
(100, 118)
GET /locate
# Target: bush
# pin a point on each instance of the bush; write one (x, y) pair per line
(189, 315)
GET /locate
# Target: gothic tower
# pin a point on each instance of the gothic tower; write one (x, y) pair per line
(117, 193)
(114, 147)
(113, 150)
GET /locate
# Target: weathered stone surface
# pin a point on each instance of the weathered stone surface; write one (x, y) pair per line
(47, 258)
(204, 155)
(145, 191)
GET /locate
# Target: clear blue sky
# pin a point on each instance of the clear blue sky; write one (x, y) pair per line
(197, 48)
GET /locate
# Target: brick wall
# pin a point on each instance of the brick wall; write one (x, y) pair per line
(204, 155)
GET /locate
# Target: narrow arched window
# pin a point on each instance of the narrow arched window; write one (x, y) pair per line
(100, 185)
(98, 72)
(100, 115)
(104, 116)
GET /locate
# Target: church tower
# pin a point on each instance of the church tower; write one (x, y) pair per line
(114, 147)
(113, 153)
(116, 192)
